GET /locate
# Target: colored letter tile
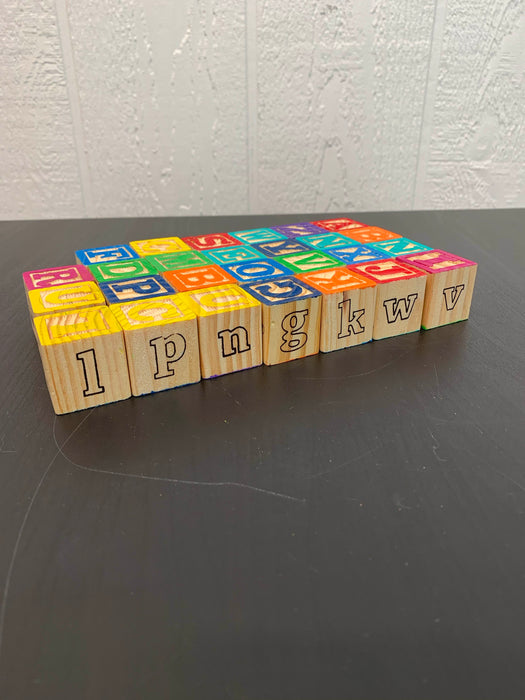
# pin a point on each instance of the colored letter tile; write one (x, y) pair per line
(136, 289)
(258, 235)
(211, 240)
(311, 260)
(92, 256)
(400, 246)
(123, 270)
(262, 269)
(178, 261)
(84, 358)
(198, 278)
(232, 254)
(274, 248)
(325, 241)
(157, 246)
(162, 343)
(450, 285)
(399, 297)
(291, 316)
(348, 307)
(229, 322)
(369, 234)
(355, 253)
(302, 229)
(56, 276)
(338, 224)
(65, 297)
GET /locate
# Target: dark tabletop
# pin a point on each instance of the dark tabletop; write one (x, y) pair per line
(350, 525)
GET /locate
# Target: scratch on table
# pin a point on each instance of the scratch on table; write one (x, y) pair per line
(2, 448)
(346, 463)
(439, 395)
(359, 374)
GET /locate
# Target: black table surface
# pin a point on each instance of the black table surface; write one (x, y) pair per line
(349, 525)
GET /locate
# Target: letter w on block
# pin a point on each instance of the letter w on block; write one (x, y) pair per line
(399, 308)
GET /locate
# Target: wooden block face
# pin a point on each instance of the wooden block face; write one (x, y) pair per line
(113, 271)
(258, 235)
(162, 343)
(291, 318)
(324, 241)
(399, 297)
(64, 298)
(56, 276)
(272, 249)
(356, 253)
(370, 234)
(308, 261)
(136, 289)
(262, 269)
(158, 246)
(232, 254)
(450, 285)
(198, 278)
(211, 241)
(177, 261)
(93, 256)
(338, 224)
(296, 230)
(400, 246)
(229, 322)
(84, 358)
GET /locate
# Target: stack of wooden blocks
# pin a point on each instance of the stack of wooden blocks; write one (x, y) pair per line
(160, 313)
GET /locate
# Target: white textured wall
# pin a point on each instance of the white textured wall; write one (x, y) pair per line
(166, 107)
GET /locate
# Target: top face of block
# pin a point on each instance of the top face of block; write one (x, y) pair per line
(211, 240)
(123, 270)
(258, 235)
(371, 234)
(64, 297)
(218, 300)
(437, 261)
(136, 289)
(177, 261)
(157, 246)
(92, 256)
(384, 271)
(353, 254)
(198, 278)
(308, 261)
(324, 241)
(76, 325)
(287, 246)
(337, 279)
(400, 246)
(337, 224)
(56, 276)
(302, 229)
(153, 312)
(262, 269)
(281, 291)
(231, 254)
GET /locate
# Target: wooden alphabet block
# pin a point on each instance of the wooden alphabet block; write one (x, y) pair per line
(158, 246)
(450, 285)
(291, 317)
(93, 256)
(258, 235)
(84, 358)
(324, 241)
(231, 254)
(177, 261)
(348, 307)
(400, 295)
(356, 253)
(162, 343)
(309, 261)
(136, 289)
(369, 234)
(396, 247)
(272, 249)
(229, 321)
(211, 241)
(122, 270)
(302, 229)
(252, 270)
(338, 224)
(64, 298)
(198, 278)
(56, 276)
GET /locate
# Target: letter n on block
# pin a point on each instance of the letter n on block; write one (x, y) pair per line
(229, 322)
(450, 285)
(348, 307)
(84, 358)
(291, 313)
(399, 296)
(162, 343)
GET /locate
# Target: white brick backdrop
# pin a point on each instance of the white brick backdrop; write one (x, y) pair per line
(178, 107)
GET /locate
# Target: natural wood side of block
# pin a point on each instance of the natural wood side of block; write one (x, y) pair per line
(399, 307)
(448, 296)
(291, 330)
(347, 318)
